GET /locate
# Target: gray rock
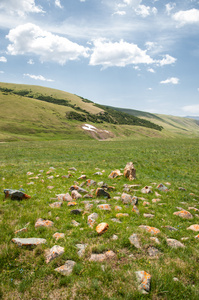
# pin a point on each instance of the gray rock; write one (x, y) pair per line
(153, 252)
(134, 240)
(144, 280)
(67, 268)
(174, 243)
(54, 252)
(28, 241)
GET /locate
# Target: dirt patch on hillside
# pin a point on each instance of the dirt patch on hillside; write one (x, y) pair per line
(96, 133)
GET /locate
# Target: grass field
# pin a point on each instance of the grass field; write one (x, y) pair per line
(24, 274)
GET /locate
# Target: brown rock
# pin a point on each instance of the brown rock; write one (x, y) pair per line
(101, 192)
(130, 171)
(104, 207)
(146, 190)
(144, 280)
(150, 229)
(43, 223)
(75, 195)
(67, 268)
(54, 252)
(115, 174)
(102, 227)
(58, 236)
(183, 214)
(194, 227)
(55, 204)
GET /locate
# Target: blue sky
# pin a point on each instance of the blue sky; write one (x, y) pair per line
(134, 54)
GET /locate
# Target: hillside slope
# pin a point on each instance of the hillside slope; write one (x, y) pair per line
(34, 112)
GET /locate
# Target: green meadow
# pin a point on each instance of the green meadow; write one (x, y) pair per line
(24, 274)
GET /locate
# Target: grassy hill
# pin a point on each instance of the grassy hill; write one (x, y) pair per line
(34, 112)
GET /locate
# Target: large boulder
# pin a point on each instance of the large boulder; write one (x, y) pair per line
(130, 171)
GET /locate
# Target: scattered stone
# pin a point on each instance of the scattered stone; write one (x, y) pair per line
(78, 189)
(114, 237)
(120, 215)
(135, 209)
(90, 182)
(157, 194)
(128, 199)
(104, 207)
(58, 236)
(153, 252)
(71, 203)
(170, 228)
(54, 252)
(88, 206)
(92, 219)
(116, 220)
(146, 203)
(146, 190)
(155, 239)
(101, 192)
(148, 215)
(75, 223)
(162, 187)
(55, 204)
(102, 227)
(156, 200)
(115, 174)
(67, 268)
(98, 173)
(50, 187)
(182, 189)
(118, 208)
(194, 227)
(174, 243)
(76, 211)
(89, 196)
(43, 223)
(28, 241)
(144, 280)
(193, 208)
(75, 195)
(175, 279)
(197, 237)
(82, 248)
(73, 169)
(21, 230)
(103, 256)
(82, 177)
(15, 194)
(130, 171)
(116, 198)
(183, 214)
(152, 230)
(134, 240)
(184, 238)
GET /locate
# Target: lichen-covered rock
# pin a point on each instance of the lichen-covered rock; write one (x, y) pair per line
(134, 240)
(175, 243)
(194, 227)
(102, 227)
(150, 229)
(78, 189)
(118, 208)
(92, 219)
(90, 182)
(135, 209)
(115, 174)
(82, 248)
(75, 195)
(146, 190)
(148, 215)
(100, 192)
(162, 187)
(128, 199)
(67, 268)
(104, 207)
(15, 194)
(144, 280)
(55, 204)
(71, 203)
(54, 252)
(130, 171)
(58, 236)
(183, 214)
(64, 197)
(120, 215)
(153, 252)
(28, 241)
(102, 256)
(43, 223)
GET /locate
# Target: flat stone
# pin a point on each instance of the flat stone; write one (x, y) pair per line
(73, 203)
(104, 207)
(15, 194)
(146, 203)
(118, 208)
(58, 236)
(75, 195)
(43, 223)
(197, 237)
(170, 228)
(162, 187)
(128, 199)
(90, 182)
(65, 197)
(67, 268)
(75, 223)
(78, 189)
(120, 215)
(150, 229)
(102, 227)
(134, 240)
(194, 227)
(54, 252)
(28, 241)
(92, 219)
(156, 200)
(155, 239)
(21, 230)
(144, 281)
(103, 256)
(55, 204)
(183, 214)
(146, 190)
(82, 177)
(174, 243)
(82, 248)
(88, 206)
(148, 215)
(153, 252)
(116, 220)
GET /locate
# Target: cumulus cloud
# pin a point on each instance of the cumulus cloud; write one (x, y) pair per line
(145, 11)
(167, 60)
(30, 62)
(172, 80)
(187, 16)
(120, 13)
(38, 77)
(191, 109)
(31, 39)
(21, 7)
(58, 4)
(151, 70)
(120, 54)
(3, 59)
(169, 7)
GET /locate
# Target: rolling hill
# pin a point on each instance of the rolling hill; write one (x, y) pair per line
(33, 112)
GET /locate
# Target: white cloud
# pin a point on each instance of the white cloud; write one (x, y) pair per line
(38, 77)
(31, 39)
(133, 3)
(151, 70)
(120, 13)
(150, 45)
(145, 11)
(192, 109)
(1, 72)
(3, 59)
(172, 80)
(118, 54)
(169, 7)
(30, 62)
(167, 60)
(187, 16)
(58, 4)
(21, 7)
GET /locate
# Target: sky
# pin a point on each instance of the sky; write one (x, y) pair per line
(135, 54)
